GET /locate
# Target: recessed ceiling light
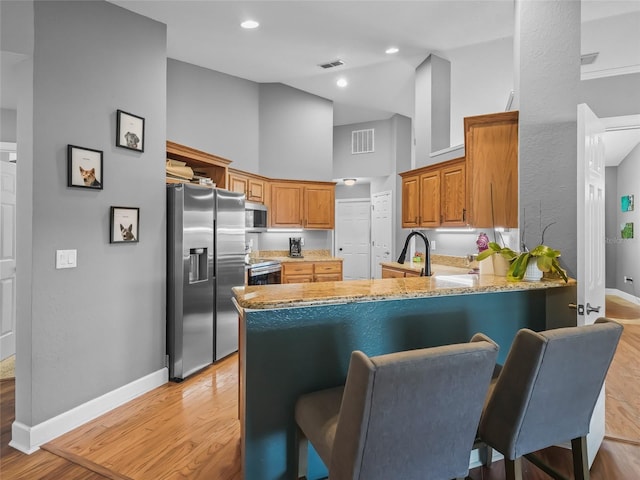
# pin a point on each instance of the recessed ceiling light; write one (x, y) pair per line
(391, 50)
(342, 82)
(249, 24)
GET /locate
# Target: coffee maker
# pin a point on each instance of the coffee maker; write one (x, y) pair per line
(295, 247)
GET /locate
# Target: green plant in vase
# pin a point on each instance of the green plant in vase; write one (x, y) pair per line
(546, 259)
(494, 248)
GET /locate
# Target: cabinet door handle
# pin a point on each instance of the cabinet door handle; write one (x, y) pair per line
(464, 214)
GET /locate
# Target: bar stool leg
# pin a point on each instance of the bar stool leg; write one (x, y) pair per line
(302, 447)
(580, 458)
(513, 468)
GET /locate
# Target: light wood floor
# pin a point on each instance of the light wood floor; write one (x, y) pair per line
(190, 430)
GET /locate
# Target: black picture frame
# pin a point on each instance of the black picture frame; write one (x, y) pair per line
(84, 168)
(129, 131)
(124, 225)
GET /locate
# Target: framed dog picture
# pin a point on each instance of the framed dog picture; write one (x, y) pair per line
(84, 167)
(125, 222)
(130, 131)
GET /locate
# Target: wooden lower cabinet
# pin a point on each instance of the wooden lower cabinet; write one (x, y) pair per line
(307, 272)
(390, 272)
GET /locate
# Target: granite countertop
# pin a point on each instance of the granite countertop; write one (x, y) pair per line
(325, 293)
(307, 256)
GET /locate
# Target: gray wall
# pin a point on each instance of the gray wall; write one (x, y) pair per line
(8, 122)
(627, 258)
(213, 112)
(546, 95)
(432, 112)
(296, 134)
(611, 205)
(86, 331)
(374, 164)
(612, 96)
(359, 190)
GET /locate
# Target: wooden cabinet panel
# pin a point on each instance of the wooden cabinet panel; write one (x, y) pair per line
(453, 195)
(255, 190)
(491, 147)
(319, 206)
(302, 204)
(430, 199)
(410, 201)
(297, 268)
(391, 273)
(237, 183)
(249, 184)
(328, 277)
(304, 272)
(286, 205)
(328, 267)
(440, 191)
(297, 279)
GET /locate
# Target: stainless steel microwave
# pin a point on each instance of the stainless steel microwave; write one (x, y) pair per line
(255, 217)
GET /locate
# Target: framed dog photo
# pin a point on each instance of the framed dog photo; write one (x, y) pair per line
(130, 131)
(125, 222)
(84, 167)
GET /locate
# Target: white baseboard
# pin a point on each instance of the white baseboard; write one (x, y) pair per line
(28, 439)
(620, 293)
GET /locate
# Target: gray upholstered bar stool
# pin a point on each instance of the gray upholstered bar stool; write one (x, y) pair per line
(546, 392)
(406, 415)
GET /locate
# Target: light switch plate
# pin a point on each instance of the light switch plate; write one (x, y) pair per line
(66, 259)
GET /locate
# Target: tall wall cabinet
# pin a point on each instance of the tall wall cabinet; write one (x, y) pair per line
(478, 190)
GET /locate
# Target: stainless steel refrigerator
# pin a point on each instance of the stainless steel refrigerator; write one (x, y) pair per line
(205, 258)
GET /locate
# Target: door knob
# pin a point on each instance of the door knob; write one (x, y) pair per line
(592, 309)
(340, 249)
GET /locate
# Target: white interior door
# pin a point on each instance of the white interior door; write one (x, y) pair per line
(381, 231)
(353, 238)
(7, 258)
(591, 242)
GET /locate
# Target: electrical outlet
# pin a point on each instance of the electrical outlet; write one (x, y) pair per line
(628, 279)
(302, 241)
(433, 245)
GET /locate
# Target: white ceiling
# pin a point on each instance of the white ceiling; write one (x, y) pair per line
(295, 36)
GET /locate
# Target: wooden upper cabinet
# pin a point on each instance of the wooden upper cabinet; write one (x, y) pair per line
(302, 204)
(237, 183)
(491, 149)
(434, 196)
(430, 199)
(453, 194)
(285, 209)
(319, 206)
(213, 166)
(410, 201)
(248, 183)
(255, 190)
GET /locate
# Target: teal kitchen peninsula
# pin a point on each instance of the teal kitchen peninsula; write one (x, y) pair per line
(298, 338)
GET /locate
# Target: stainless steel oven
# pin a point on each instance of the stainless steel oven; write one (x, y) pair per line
(264, 272)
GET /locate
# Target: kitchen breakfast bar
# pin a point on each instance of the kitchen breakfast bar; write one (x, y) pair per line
(298, 338)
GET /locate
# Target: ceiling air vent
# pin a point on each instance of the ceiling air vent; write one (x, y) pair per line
(335, 63)
(362, 141)
(588, 58)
